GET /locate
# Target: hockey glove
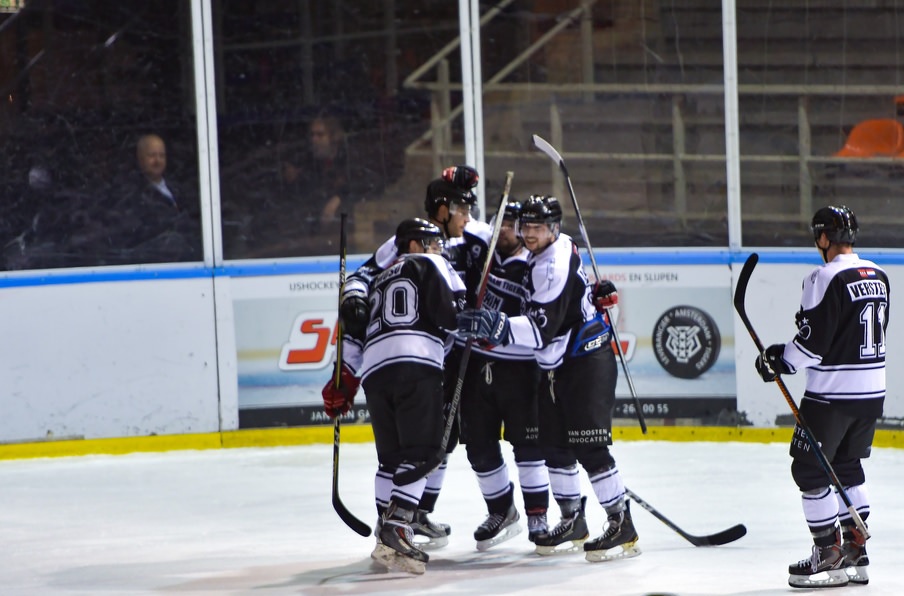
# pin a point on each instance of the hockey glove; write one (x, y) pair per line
(770, 363)
(605, 296)
(354, 314)
(339, 400)
(464, 177)
(489, 327)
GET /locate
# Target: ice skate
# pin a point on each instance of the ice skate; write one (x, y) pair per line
(617, 542)
(536, 525)
(571, 528)
(497, 528)
(854, 550)
(395, 547)
(824, 569)
(429, 535)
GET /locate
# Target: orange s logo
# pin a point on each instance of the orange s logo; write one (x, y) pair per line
(312, 342)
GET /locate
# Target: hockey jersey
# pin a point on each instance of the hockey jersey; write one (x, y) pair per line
(840, 337)
(413, 305)
(466, 254)
(506, 293)
(561, 321)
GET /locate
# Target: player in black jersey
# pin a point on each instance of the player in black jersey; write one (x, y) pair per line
(448, 204)
(572, 343)
(840, 340)
(413, 306)
(499, 397)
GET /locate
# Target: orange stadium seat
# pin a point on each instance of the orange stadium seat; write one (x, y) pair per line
(882, 137)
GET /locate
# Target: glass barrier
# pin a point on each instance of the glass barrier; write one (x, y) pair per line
(99, 162)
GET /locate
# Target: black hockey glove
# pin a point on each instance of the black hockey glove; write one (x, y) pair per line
(489, 327)
(354, 314)
(770, 363)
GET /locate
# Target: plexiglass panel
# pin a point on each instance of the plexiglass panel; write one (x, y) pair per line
(99, 160)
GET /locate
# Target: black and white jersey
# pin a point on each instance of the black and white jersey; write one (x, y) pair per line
(413, 305)
(841, 334)
(561, 321)
(466, 254)
(506, 293)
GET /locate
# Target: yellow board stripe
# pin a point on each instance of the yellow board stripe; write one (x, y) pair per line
(362, 433)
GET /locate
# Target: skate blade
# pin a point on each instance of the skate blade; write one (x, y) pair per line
(549, 551)
(430, 543)
(507, 533)
(824, 579)
(622, 551)
(858, 575)
(394, 561)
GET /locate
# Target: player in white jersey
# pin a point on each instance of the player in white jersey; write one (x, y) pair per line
(572, 344)
(840, 341)
(413, 306)
(499, 398)
(448, 203)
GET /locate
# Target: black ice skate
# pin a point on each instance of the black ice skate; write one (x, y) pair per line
(824, 569)
(854, 551)
(496, 528)
(618, 541)
(571, 528)
(395, 547)
(536, 525)
(429, 535)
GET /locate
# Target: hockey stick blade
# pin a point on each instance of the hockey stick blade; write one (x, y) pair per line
(719, 538)
(341, 510)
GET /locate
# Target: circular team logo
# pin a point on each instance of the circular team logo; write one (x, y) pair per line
(686, 341)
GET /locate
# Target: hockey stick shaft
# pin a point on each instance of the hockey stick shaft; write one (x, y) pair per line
(408, 476)
(724, 537)
(554, 155)
(350, 520)
(739, 299)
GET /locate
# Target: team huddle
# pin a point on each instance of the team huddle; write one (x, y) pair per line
(461, 331)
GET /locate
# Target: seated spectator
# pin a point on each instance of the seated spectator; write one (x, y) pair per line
(152, 218)
(315, 184)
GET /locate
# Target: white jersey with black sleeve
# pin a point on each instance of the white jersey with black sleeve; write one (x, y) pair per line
(841, 335)
(413, 305)
(561, 322)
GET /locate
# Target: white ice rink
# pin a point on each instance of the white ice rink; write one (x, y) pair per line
(259, 521)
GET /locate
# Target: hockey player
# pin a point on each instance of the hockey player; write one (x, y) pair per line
(577, 393)
(448, 203)
(414, 302)
(840, 340)
(499, 397)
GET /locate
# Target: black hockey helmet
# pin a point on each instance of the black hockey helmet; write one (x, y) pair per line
(443, 192)
(541, 209)
(416, 229)
(512, 210)
(838, 223)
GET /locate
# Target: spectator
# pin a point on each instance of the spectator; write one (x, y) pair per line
(315, 184)
(153, 218)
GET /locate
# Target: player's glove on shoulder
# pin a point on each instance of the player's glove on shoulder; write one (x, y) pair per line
(338, 400)
(354, 314)
(605, 296)
(771, 363)
(490, 327)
